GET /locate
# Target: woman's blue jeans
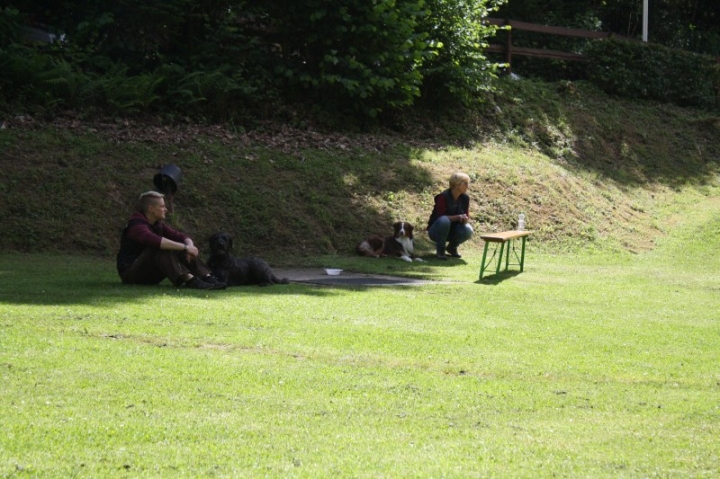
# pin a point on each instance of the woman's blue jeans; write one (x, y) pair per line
(445, 231)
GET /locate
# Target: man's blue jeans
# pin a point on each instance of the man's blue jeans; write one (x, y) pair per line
(445, 231)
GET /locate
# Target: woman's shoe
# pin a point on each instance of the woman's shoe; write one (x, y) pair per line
(452, 252)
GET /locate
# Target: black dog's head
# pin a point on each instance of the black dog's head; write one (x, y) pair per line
(220, 244)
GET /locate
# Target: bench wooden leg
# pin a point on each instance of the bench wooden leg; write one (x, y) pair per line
(522, 255)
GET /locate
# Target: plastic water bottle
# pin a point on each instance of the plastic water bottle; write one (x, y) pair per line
(521, 222)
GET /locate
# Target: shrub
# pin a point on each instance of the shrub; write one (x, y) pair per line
(365, 55)
(219, 95)
(461, 69)
(38, 78)
(651, 71)
(9, 26)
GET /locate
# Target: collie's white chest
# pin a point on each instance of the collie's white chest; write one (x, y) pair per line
(406, 243)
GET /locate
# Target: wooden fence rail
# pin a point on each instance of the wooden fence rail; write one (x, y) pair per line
(509, 50)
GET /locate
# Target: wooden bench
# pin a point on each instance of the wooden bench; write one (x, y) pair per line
(500, 239)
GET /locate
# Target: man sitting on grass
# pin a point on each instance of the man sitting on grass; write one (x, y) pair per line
(151, 251)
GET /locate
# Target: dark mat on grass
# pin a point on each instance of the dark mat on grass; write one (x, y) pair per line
(318, 276)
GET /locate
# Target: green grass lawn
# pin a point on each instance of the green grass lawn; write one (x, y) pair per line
(590, 365)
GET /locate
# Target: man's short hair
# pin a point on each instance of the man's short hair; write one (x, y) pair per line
(148, 199)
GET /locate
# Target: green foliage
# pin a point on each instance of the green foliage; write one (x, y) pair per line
(225, 60)
(140, 57)
(39, 79)
(218, 95)
(131, 94)
(640, 70)
(460, 70)
(352, 56)
(363, 54)
(9, 25)
(51, 81)
(385, 54)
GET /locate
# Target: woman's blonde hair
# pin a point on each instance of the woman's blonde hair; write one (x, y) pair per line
(457, 178)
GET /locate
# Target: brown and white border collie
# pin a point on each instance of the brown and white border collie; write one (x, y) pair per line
(400, 244)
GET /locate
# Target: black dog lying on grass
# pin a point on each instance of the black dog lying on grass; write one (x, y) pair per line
(238, 271)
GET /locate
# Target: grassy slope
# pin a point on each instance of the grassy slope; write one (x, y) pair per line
(586, 169)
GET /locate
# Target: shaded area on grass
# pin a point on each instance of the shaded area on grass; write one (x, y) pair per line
(73, 191)
(68, 280)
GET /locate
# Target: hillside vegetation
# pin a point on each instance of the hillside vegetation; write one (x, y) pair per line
(586, 169)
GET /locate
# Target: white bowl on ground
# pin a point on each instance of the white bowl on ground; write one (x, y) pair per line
(333, 271)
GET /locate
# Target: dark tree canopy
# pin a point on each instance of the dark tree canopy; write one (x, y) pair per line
(216, 59)
(367, 55)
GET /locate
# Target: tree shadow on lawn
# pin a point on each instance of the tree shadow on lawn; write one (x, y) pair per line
(57, 280)
(107, 293)
(94, 283)
(297, 196)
